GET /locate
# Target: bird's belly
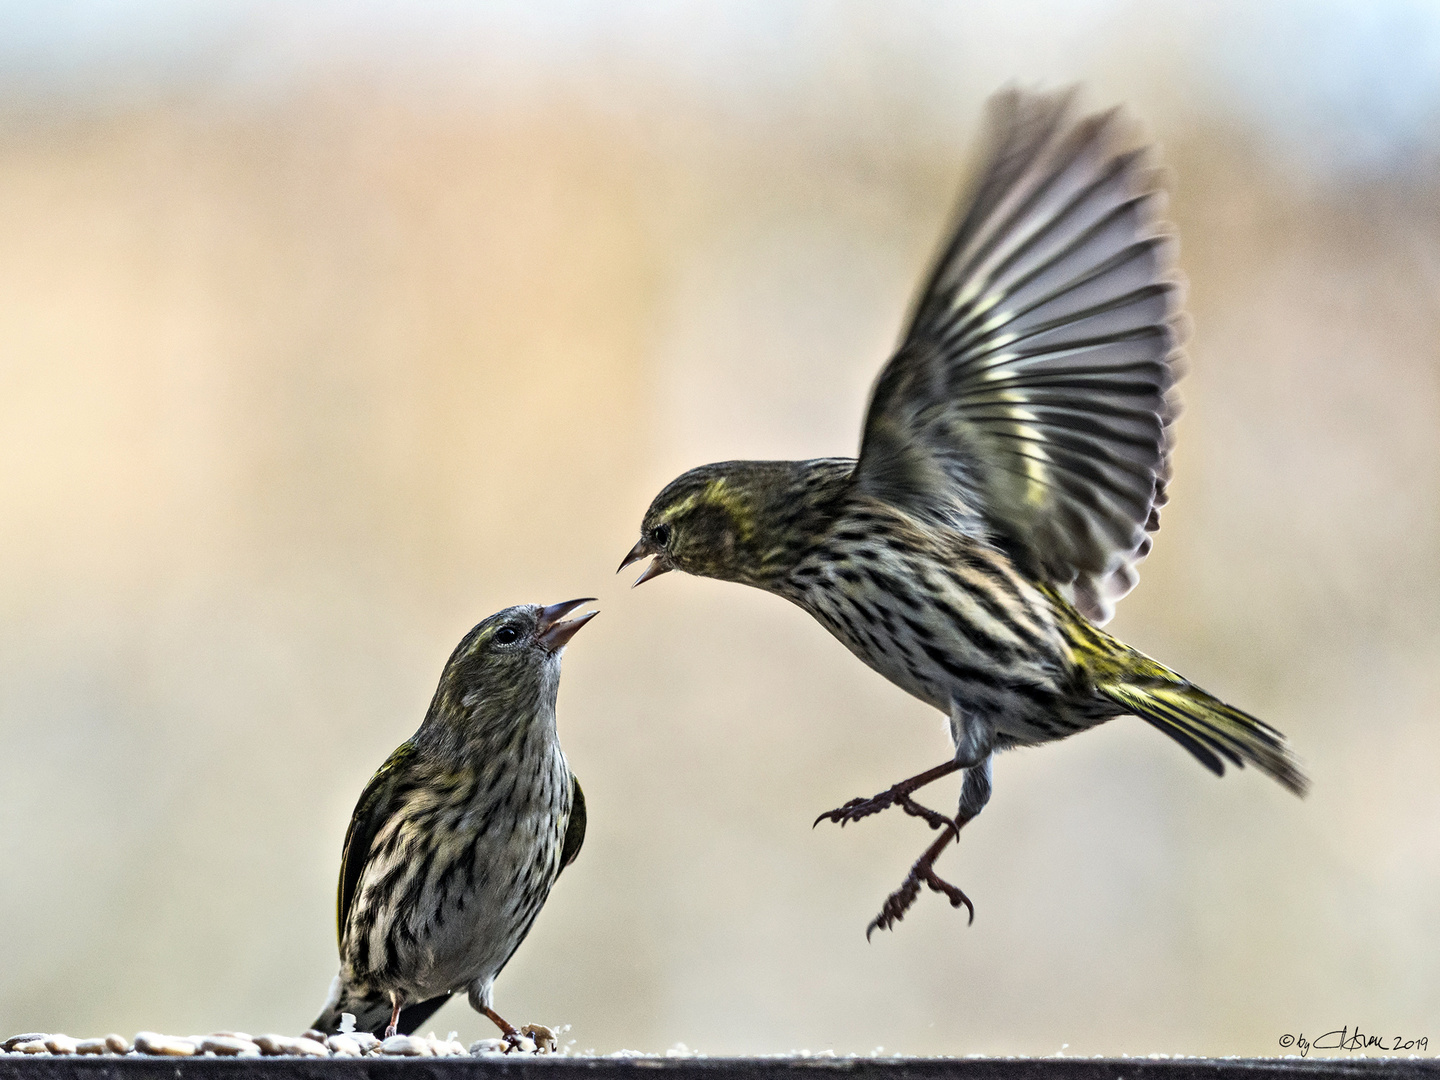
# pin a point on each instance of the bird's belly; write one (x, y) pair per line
(946, 650)
(474, 942)
(456, 918)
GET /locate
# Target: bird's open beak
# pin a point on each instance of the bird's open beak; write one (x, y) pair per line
(552, 633)
(641, 549)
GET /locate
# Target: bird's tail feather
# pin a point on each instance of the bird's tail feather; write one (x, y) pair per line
(372, 1011)
(412, 1016)
(1203, 724)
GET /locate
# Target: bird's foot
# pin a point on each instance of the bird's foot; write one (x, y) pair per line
(856, 809)
(932, 818)
(922, 873)
(514, 1040)
(897, 795)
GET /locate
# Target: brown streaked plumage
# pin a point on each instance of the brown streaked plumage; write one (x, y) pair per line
(458, 838)
(1013, 461)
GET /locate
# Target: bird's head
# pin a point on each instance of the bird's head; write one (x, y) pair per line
(702, 523)
(735, 520)
(510, 662)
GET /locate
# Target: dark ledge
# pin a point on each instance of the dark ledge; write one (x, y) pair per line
(16, 1067)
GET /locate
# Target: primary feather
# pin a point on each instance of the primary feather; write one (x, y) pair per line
(1028, 400)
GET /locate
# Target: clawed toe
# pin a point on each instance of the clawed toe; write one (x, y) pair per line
(923, 872)
(931, 817)
(957, 898)
(901, 900)
(895, 906)
(856, 809)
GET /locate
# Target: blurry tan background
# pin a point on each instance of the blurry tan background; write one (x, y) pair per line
(326, 330)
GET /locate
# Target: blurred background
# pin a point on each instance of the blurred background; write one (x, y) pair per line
(328, 329)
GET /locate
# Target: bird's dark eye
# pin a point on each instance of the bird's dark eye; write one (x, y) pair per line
(506, 635)
(660, 534)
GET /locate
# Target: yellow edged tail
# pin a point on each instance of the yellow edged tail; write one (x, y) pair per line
(1206, 726)
(1203, 724)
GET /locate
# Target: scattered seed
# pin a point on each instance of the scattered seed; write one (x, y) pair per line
(544, 1037)
(307, 1047)
(149, 1042)
(405, 1046)
(227, 1045)
(344, 1045)
(272, 1045)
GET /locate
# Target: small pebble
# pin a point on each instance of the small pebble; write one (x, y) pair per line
(271, 1045)
(149, 1042)
(227, 1045)
(33, 1046)
(117, 1044)
(314, 1035)
(91, 1046)
(344, 1045)
(488, 1046)
(30, 1036)
(405, 1046)
(60, 1044)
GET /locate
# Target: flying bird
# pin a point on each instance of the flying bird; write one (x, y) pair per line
(458, 838)
(1013, 461)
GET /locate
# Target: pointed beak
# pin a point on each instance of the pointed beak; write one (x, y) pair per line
(641, 549)
(552, 632)
(657, 567)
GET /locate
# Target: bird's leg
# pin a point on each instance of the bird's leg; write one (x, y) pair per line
(974, 737)
(897, 795)
(506, 1028)
(974, 794)
(898, 902)
(397, 1001)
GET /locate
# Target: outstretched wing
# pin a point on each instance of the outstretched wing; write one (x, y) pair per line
(1029, 399)
(374, 807)
(575, 831)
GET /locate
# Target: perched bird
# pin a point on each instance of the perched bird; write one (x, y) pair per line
(457, 839)
(1012, 464)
